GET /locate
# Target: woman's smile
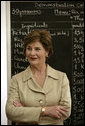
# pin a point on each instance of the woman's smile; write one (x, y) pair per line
(33, 58)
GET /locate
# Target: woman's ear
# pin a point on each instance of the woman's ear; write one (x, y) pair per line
(47, 54)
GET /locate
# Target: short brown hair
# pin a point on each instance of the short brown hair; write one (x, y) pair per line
(43, 36)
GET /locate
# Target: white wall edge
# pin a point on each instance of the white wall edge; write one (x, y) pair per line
(5, 57)
(8, 31)
(3, 63)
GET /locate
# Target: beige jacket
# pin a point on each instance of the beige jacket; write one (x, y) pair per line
(24, 89)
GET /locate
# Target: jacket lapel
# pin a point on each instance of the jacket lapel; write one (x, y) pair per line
(35, 87)
(27, 76)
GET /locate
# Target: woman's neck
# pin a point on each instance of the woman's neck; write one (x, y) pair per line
(38, 68)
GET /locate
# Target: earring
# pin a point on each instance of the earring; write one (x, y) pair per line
(47, 56)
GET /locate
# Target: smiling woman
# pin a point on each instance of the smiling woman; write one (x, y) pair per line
(36, 54)
(40, 94)
(42, 36)
(37, 47)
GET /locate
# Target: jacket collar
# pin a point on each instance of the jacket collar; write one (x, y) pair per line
(46, 88)
(50, 73)
(27, 74)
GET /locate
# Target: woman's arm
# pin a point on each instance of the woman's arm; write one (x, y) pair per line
(63, 109)
(65, 100)
(21, 113)
(53, 111)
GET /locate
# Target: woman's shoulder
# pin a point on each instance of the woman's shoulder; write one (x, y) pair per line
(51, 69)
(21, 74)
(55, 73)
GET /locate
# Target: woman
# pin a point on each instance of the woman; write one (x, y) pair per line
(40, 94)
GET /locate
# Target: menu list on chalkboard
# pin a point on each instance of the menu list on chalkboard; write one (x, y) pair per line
(65, 22)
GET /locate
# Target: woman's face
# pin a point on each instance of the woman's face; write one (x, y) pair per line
(35, 53)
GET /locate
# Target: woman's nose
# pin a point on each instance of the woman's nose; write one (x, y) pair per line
(32, 52)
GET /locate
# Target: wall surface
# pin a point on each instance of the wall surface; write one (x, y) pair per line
(3, 63)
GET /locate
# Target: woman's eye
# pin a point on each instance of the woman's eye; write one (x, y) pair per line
(29, 48)
(37, 49)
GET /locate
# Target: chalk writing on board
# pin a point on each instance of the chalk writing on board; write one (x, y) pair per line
(59, 5)
(35, 24)
(25, 12)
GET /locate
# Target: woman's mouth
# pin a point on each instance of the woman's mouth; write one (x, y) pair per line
(33, 58)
